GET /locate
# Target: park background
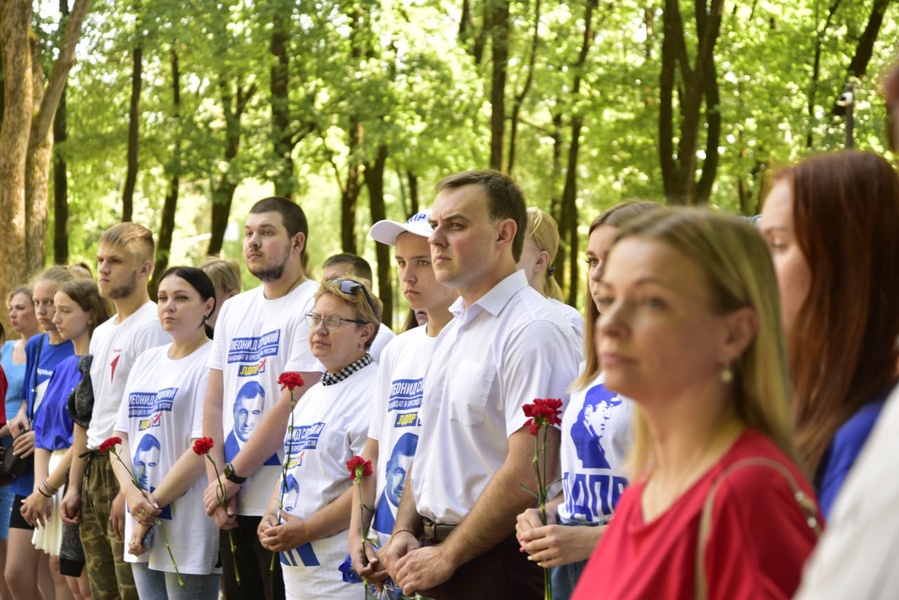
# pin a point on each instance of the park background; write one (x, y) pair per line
(180, 114)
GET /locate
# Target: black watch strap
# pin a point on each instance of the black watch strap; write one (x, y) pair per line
(230, 475)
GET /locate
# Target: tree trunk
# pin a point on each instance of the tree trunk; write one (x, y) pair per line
(816, 68)
(170, 206)
(374, 181)
(521, 95)
(60, 175)
(37, 172)
(413, 193)
(499, 28)
(15, 22)
(865, 49)
(225, 184)
(349, 194)
(285, 184)
(25, 138)
(137, 59)
(678, 173)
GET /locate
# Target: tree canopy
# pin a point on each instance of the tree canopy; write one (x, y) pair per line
(188, 112)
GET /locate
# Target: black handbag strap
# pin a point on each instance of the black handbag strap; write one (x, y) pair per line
(37, 365)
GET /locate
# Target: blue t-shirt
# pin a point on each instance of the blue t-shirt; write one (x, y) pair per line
(51, 356)
(15, 376)
(52, 424)
(847, 443)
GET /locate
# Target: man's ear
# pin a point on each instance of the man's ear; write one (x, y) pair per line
(299, 242)
(505, 232)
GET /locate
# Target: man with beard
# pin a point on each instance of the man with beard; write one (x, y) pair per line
(259, 335)
(124, 264)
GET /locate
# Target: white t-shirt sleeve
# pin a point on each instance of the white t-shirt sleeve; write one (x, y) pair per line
(196, 430)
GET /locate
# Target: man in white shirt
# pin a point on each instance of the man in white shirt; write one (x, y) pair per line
(259, 335)
(505, 348)
(124, 265)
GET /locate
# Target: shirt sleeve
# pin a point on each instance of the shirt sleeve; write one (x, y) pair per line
(196, 430)
(538, 362)
(300, 359)
(759, 539)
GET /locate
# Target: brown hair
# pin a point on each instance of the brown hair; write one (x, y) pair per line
(616, 216)
(86, 294)
(505, 200)
(843, 342)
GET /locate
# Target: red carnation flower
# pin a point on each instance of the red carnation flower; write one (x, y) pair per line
(110, 443)
(543, 412)
(358, 467)
(203, 445)
(291, 381)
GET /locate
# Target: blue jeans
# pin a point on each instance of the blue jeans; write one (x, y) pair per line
(159, 585)
(565, 577)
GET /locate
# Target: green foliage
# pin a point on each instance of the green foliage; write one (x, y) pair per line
(401, 69)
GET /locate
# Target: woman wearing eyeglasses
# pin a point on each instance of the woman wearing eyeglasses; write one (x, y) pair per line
(329, 425)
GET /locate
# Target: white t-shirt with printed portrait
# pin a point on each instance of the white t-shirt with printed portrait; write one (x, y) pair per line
(256, 340)
(395, 422)
(162, 413)
(595, 442)
(330, 426)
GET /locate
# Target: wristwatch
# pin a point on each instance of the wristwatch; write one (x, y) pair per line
(230, 475)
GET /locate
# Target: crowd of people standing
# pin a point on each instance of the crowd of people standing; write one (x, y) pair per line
(724, 405)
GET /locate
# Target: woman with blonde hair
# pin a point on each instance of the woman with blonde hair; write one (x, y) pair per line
(690, 330)
(595, 438)
(538, 255)
(79, 310)
(309, 512)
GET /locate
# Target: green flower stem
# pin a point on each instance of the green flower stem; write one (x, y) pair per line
(158, 520)
(223, 501)
(293, 404)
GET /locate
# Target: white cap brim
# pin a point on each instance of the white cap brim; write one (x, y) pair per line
(387, 231)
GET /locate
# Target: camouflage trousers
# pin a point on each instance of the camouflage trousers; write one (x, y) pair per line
(109, 574)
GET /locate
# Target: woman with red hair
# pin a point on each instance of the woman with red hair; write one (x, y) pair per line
(832, 225)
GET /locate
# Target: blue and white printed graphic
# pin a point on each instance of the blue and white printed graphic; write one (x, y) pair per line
(405, 402)
(247, 412)
(254, 349)
(395, 480)
(148, 407)
(593, 480)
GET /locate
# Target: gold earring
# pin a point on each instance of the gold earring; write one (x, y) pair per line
(727, 375)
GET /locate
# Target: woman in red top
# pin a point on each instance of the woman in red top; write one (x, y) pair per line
(690, 329)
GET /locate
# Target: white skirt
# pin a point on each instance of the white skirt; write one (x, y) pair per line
(49, 537)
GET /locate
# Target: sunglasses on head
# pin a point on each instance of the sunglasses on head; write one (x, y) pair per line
(348, 286)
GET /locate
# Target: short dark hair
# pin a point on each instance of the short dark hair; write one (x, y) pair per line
(505, 200)
(359, 267)
(293, 216)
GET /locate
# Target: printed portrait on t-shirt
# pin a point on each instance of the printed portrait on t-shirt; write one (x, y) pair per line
(146, 457)
(587, 434)
(395, 480)
(248, 412)
(291, 494)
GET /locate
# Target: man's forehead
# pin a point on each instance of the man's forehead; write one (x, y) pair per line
(469, 202)
(270, 219)
(106, 250)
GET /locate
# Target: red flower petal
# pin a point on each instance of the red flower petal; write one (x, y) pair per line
(358, 467)
(291, 381)
(203, 445)
(110, 443)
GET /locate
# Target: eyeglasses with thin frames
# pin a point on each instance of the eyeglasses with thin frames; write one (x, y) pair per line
(331, 323)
